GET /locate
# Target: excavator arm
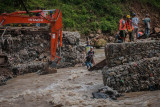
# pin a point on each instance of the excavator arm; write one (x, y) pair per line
(55, 21)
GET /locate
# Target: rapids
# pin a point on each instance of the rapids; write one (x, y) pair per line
(68, 87)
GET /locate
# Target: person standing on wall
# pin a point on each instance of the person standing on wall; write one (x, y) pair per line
(122, 28)
(38, 14)
(135, 22)
(147, 21)
(45, 12)
(129, 28)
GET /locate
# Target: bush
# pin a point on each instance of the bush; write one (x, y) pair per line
(108, 26)
(100, 43)
(68, 23)
(83, 15)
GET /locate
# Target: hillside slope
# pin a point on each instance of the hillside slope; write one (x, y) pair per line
(90, 16)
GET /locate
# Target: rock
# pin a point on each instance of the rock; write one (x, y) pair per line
(23, 52)
(118, 62)
(71, 37)
(2, 80)
(41, 56)
(42, 45)
(97, 36)
(99, 95)
(112, 73)
(106, 92)
(111, 39)
(91, 35)
(157, 30)
(5, 74)
(100, 43)
(99, 31)
(47, 70)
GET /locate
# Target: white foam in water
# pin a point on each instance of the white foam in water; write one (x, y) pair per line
(77, 70)
(64, 92)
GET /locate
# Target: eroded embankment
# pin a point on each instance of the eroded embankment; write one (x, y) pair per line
(132, 66)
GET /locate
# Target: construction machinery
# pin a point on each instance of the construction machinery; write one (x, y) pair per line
(55, 19)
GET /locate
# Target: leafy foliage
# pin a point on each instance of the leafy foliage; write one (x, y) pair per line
(83, 15)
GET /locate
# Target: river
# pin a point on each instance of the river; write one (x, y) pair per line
(68, 87)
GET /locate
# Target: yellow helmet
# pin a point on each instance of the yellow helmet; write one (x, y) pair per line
(128, 16)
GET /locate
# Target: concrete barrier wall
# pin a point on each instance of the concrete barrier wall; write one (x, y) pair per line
(135, 76)
(121, 53)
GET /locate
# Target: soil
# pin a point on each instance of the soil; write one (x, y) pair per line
(141, 10)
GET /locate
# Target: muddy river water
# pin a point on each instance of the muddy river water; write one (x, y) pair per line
(68, 87)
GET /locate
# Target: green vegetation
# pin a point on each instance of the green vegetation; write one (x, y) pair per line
(85, 16)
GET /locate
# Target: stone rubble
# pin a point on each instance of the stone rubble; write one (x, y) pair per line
(135, 76)
(132, 66)
(121, 53)
(30, 52)
(28, 48)
(106, 92)
(5, 75)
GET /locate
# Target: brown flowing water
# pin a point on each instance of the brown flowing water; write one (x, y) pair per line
(68, 87)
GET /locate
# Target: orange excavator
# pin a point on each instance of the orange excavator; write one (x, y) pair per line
(25, 17)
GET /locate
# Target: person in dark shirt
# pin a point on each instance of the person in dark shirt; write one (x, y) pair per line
(118, 38)
(89, 58)
(38, 14)
(147, 21)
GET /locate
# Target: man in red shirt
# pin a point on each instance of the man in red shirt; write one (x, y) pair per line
(129, 28)
(122, 28)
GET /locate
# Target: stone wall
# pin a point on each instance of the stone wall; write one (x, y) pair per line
(132, 66)
(120, 53)
(29, 51)
(135, 76)
(26, 49)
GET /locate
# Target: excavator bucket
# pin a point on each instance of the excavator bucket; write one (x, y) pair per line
(54, 63)
(50, 68)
